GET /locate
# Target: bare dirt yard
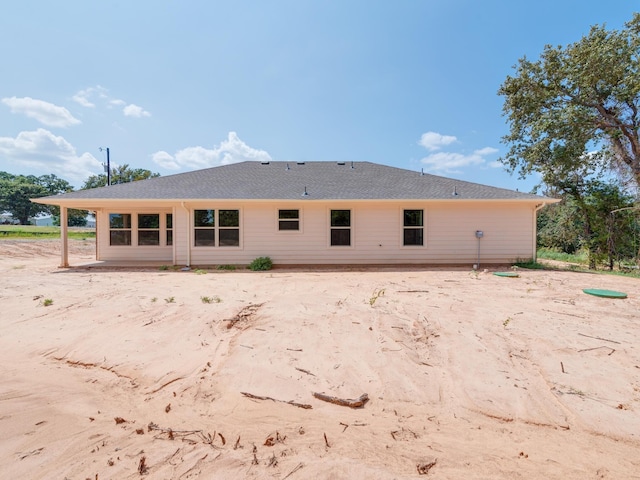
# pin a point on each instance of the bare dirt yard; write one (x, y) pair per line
(134, 373)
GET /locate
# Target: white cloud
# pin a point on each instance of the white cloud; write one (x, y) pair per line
(434, 141)
(133, 110)
(453, 162)
(44, 112)
(83, 97)
(231, 150)
(88, 96)
(42, 151)
(165, 160)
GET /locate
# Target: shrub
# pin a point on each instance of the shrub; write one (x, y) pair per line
(261, 263)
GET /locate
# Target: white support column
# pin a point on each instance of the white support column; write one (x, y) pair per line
(63, 237)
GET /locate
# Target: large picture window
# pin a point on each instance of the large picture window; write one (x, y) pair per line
(148, 229)
(227, 226)
(413, 227)
(340, 227)
(288, 220)
(119, 229)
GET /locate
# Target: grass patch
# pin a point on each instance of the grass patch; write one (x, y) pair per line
(554, 254)
(226, 267)
(35, 232)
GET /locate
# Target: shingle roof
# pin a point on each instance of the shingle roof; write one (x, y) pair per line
(288, 181)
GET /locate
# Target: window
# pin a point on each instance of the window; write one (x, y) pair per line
(413, 227)
(288, 220)
(204, 223)
(148, 229)
(169, 219)
(229, 229)
(340, 227)
(119, 229)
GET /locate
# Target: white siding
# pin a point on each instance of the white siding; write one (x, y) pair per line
(376, 233)
(132, 253)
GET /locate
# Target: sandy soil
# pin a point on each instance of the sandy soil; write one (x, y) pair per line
(129, 373)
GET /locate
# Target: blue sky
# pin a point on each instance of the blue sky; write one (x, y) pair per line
(174, 86)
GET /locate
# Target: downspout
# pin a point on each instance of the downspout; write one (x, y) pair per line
(64, 237)
(188, 235)
(535, 230)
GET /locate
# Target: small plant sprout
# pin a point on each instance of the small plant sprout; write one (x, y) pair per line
(506, 322)
(199, 271)
(47, 301)
(170, 299)
(164, 267)
(376, 295)
(154, 299)
(214, 299)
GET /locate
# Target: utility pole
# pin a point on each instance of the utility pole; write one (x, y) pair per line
(107, 166)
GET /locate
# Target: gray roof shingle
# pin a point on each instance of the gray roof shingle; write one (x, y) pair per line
(288, 180)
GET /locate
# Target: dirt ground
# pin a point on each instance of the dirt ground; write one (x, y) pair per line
(134, 373)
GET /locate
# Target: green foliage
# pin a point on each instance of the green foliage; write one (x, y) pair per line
(214, 299)
(17, 190)
(120, 174)
(572, 101)
(226, 267)
(164, 267)
(598, 218)
(47, 302)
(32, 232)
(261, 263)
(170, 300)
(199, 271)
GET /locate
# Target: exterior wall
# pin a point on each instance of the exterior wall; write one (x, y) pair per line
(131, 253)
(376, 234)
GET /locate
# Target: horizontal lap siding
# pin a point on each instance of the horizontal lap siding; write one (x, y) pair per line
(377, 234)
(129, 253)
(508, 232)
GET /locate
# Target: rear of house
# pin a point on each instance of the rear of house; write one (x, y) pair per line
(309, 213)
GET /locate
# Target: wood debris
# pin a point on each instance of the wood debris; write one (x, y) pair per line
(345, 402)
(290, 402)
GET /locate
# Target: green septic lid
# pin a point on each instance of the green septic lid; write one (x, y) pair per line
(604, 293)
(506, 274)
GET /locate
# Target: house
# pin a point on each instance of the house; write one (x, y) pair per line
(307, 213)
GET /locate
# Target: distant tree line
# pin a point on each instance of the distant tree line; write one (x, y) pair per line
(17, 190)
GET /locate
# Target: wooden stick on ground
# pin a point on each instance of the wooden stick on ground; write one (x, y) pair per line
(345, 402)
(290, 402)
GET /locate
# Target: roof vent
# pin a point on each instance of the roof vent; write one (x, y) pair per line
(422, 172)
(340, 163)
(455, 192)
(300, 163)
(287, 167)
(265, 162)
(305, 193)
(352, 165)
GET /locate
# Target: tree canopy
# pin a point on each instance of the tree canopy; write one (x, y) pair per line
(119, 174)
(17, 190)
(574, 113)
